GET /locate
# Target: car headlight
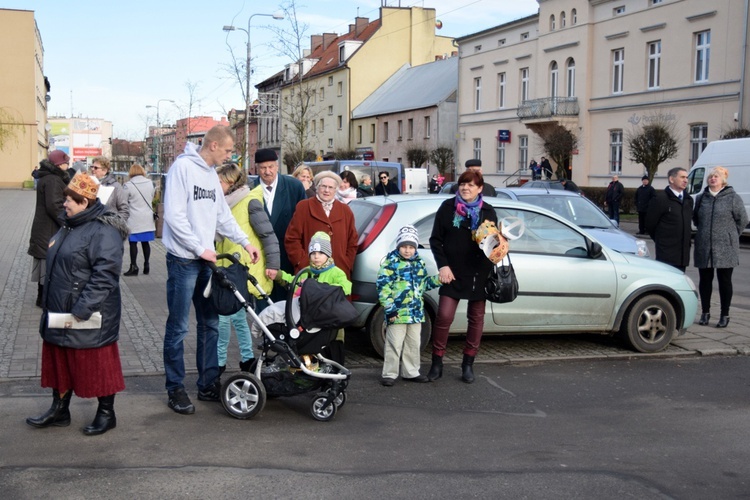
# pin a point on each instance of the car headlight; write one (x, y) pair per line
(641, 248)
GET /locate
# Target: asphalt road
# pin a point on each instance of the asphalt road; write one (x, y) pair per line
(646, 428)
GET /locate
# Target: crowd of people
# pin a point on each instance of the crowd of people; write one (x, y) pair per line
(279, 227)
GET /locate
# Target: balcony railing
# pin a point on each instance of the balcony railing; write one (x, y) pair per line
(548, 106)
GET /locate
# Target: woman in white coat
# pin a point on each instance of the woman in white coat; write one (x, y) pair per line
(140, 191)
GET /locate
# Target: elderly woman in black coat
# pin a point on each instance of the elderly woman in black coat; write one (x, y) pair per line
(463, 268)
(720, 217)
(79, 351)
(52, 177)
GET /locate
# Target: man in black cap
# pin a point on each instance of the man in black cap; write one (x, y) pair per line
(281, 193)
(643, 196)
(570, 185)
(476, 165)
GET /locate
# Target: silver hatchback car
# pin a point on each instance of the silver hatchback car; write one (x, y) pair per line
(569, 282)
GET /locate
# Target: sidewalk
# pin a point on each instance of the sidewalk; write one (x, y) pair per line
(144, 312)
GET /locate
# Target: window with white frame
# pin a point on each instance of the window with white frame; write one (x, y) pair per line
(615, 151)
(385, 131)
(400, 130)
(477, 149)
(477, 48)
(340, 88)
(501, 42)
(330, 81)
(427, 127)
(313, 126)
(359, 134)
(618, 70)
(501, 90)
(656, 2)
(372, 132)
(500, 156)
(524, 84)
(322, 125)
(573, 17)
(524, 36)
(523, 152)
(571, 84)
(702, 55)
(342, 54)
(552, 22)
(478, 93)
(553, 79)
(698, 140)
(654, 64)
(330, 110)
(330, 143)
(410, 129)
(562, 20)
(322, 93)
(617, 11)
(340, 122)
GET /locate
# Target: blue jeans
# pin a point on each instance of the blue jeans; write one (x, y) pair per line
(239, 320)
(186, 279)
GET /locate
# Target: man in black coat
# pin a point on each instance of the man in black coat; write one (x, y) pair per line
(643, 196)
(668, 220)
(570, 185)
(615, 191)
(476, 165)
(385, 186)
(546, 168)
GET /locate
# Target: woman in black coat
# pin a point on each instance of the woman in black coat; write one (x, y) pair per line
(463, 268)
(83, 269)
(52, 177)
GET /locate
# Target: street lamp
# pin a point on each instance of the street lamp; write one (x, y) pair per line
(158, 132)
(278, 16)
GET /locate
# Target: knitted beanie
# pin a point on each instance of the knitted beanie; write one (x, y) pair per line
(320, 242)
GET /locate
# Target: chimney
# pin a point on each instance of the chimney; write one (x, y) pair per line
(328, 38)
(315, 40)
(351, 28)
(360, 25)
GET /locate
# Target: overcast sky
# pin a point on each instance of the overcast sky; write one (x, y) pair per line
(111, 59)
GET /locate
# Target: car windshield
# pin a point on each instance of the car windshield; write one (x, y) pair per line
(576, 209)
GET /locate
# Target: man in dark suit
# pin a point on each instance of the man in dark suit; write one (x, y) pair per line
(643, 196)
(615, 190)
(476, 165)
(668, 220)
(281, 193)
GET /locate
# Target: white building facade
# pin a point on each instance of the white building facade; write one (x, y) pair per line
(601, 68)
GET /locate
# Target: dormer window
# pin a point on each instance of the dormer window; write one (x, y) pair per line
(342, 54)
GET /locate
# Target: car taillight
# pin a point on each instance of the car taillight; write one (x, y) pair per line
(376, 226)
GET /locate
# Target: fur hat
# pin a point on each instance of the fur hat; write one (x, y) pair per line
(473, 163)
(83, 184)
(264, 155)
(407, 235)
(58, 157)
(320, 242)
(326, 173)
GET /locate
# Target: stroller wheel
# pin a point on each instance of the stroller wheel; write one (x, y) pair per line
(340, 400)
(319, 410)
(243, 395)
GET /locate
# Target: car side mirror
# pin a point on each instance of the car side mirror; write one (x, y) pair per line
(594, 249)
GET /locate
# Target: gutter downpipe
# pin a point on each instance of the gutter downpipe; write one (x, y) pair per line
(744, 64)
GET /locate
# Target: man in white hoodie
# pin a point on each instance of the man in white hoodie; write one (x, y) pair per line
(194, 211)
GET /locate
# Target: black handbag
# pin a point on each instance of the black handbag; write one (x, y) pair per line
(502, 285)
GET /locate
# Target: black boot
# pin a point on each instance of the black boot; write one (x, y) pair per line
(146, 268)
(704, 319)
(723, 321)
(247, 366)
(436, 370)
(58, 414)
(133, 271)
(467, 369)
(39, 292)
(104, 419)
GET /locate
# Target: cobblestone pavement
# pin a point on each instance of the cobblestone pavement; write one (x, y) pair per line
(144, 313)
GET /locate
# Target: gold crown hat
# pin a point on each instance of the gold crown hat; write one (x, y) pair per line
(491, 241)
(85, 185)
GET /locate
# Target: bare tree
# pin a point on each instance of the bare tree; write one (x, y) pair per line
(417, 156)
(558, 143)
(9, 127)
(652, 143)
(344, 154)
(736, 132)
(443, 158)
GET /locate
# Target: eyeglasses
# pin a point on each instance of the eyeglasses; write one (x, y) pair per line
(94, 167)
(323, 186)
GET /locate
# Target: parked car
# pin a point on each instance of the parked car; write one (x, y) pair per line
(446, 187)
(540, 184)
(582, 212)
(569, 281)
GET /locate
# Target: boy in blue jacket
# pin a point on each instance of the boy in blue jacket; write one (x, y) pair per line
(402, 281)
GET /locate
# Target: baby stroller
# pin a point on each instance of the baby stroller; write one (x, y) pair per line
(291, 362)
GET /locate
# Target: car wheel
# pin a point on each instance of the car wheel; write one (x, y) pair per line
(376, 330)
(650, 324)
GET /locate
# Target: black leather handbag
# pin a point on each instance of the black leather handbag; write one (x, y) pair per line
(502, 285)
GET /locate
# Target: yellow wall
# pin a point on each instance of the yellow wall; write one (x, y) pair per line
(22, 94)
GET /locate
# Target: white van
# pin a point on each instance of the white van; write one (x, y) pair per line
(732, 154)
(415, 181)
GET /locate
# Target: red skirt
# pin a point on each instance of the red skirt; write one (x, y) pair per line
(90, 373)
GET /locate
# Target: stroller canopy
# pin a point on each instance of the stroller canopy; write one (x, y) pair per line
(324, 306)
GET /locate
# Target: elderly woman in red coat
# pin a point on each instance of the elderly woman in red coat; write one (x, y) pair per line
(324, 213)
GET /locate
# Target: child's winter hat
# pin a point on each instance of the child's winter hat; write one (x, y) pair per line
(320, 242)
(407, 235)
